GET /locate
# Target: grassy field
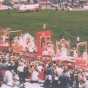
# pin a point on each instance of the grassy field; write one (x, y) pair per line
(69, 24)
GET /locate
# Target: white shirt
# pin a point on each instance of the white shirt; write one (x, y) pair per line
(49, 77)
(40, 68)
(20, 69)
(59, 71)
(4, 86)
(8, 78)
(86, 84)
(35, 76)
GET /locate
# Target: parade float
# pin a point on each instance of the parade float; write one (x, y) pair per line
(42, 48)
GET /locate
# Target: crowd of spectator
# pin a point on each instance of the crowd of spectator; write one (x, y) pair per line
(18, 68)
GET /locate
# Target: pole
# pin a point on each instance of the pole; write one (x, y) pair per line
(46, 3)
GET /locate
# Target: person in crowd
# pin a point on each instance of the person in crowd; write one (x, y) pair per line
(20, 70)
(76, 79)
(85, 85)
(42, 73)
(49, 76)
(34, 76)
(55, 77)
(1, 76)
(65, 78)
(8, 76)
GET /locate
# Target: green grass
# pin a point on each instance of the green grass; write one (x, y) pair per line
(69, 24)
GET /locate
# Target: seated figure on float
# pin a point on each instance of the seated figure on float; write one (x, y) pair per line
(62, 49)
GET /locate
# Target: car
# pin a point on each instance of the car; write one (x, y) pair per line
(85, 7)
(28, 7)
(5, 7)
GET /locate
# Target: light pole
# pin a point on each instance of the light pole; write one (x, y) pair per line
(46, 3)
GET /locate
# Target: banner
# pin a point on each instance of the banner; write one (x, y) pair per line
(81, 63)
(41, 39)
